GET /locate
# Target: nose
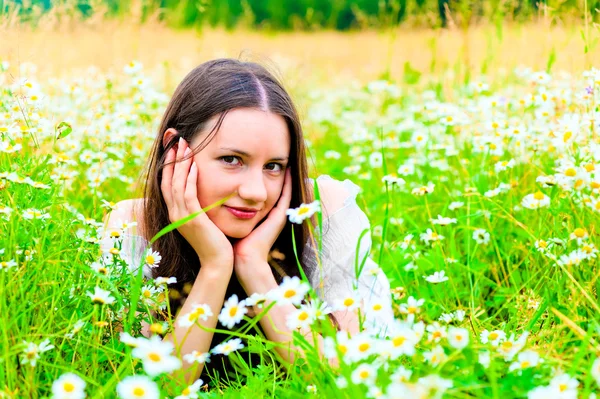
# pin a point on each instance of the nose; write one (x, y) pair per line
(252, 187)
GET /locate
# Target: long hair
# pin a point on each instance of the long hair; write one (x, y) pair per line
(209, 90)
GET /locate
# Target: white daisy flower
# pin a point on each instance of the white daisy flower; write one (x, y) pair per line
(292, 290)
(443, 221)
(138, 387)
(32, 351)
(191, 392)
(197, 357)
(458, 337)
(225, 348)
(535, 201)
(156, 356)
(481, 236)
(300, 319)
(525, 359)
(437, 277)
(152, 258)
(68, 386)
(348, 302)
(100, 296)
(5, 265)
(305, 211)
(364, 374)
(233, 312)
(202, 312)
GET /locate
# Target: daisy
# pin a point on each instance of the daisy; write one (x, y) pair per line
(311, 389)
(360, 347)
(300, 319)
(35, 214)
(443, 221)
(256, 299)
(402, 340)
(364, 374)
(525, 359)
(535, 201)
(156, 356)
(197, 357)
(165, 280)
(430, 236)
(32, 352)
(152, 258)
(458, 337)
(437, 277)
(494, 337)
(227, 347)
(130, 341)
(331, 346)
(138, 387)
(191, 392)
(579, 234)
(455, 205)
(349, 302)
(435, 356)
(428, 189)
(436, 332)
(233, 312)
(201, 312)
(79, 324)
(481, 236)
(298, 215)
(68, 386)
(291, 291)
(412, 306)
(100, 296)
(564, 385)
(5, 265)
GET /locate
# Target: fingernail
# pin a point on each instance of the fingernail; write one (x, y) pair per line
(187, 152)
(180, 141)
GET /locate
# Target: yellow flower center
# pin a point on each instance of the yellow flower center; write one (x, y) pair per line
(139, 392)
(436, 334)
(343, 348)
(68, 387)
(538, 196)
(364, 347)
(364, 374)
(302, 210)
(233, 311)
(398, 341)
(303, 316)
(525, 364)
(348, 302)
(154, 357)
(411, 309)
(570, 172)
(493, 336)
(186, 391)
(289, 293)
(150, 259)
(562, 387)
(377, 307)
(147, 294)
(579, 232)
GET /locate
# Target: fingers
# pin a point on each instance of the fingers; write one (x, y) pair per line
(191, 196)
(180, 177)
(286, 194)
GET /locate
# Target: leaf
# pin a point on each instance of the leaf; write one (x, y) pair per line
(63, 130)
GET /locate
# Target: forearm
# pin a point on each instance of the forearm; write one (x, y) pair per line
(209, 288)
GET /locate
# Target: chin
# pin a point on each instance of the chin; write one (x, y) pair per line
(236, 233)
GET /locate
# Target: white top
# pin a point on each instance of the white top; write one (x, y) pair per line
(342, 227)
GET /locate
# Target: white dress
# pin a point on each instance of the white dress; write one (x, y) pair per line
(342, 227)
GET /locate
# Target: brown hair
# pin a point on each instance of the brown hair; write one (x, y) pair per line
(212, 89)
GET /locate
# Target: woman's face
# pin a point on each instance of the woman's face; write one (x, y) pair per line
(247, 155)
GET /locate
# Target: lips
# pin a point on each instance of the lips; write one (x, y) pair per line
(240, 213)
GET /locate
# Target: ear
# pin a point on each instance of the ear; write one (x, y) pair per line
(170, 134)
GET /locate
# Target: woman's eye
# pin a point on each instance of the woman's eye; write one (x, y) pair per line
(229, 159)
(277, 165)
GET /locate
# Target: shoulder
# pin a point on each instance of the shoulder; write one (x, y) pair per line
(335, 194)
(129, 210)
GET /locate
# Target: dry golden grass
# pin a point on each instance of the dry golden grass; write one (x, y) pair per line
(329, 57)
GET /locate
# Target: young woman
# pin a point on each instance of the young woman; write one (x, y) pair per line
(231, 131)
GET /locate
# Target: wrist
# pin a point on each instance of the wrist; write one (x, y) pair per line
(215, 270)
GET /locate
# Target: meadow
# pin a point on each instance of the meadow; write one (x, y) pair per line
(478, 157)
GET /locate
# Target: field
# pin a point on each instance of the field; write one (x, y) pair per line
(478, 156)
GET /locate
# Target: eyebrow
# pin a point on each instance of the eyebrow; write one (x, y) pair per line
(243, 153)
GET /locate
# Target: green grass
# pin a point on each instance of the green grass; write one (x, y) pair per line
(506, 284)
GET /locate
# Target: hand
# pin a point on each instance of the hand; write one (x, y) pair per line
(254, 249)
(179, 188)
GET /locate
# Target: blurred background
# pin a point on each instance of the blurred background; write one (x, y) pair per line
(332, 43)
